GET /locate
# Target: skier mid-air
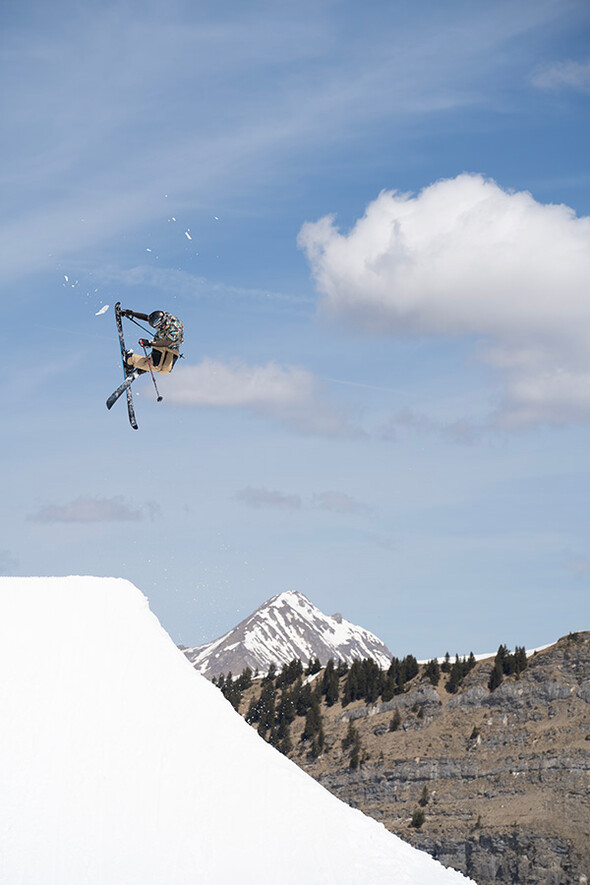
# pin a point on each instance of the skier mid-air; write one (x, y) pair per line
(165, 347)
(165, 344)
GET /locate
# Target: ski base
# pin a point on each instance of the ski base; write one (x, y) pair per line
(121, 389)
(129, 374)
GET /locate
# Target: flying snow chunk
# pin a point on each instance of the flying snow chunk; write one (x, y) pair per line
(187, 235)
(66, 278)
(102, 310)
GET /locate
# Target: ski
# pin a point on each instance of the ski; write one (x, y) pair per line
(121, 388)
(128, 374)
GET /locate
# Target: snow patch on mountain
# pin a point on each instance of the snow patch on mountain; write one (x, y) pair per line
(285, 627)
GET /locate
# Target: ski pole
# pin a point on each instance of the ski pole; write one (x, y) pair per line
(149, 362)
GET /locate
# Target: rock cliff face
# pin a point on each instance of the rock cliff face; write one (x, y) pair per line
(502, 778)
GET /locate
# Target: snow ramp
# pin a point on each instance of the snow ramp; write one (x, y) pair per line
(121, 765)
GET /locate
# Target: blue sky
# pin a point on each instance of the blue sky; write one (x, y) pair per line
(374, 223)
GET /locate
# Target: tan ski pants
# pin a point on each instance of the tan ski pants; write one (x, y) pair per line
(164, 366)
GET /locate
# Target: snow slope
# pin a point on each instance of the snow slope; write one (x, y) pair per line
(285, 627)
(121, 765)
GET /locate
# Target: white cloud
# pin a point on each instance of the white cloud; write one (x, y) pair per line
(278, 85)
(332, 501)
(213, 383)
(268, 498)
(338, 502)
(553, 395)
(89, 509)
(459, 431)
(563, 75)
(466, 258)
(287, 394)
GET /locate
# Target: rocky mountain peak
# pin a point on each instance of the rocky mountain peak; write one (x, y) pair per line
(285, 627)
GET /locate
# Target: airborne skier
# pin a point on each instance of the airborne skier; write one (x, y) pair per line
(165, 344)
(165, 351)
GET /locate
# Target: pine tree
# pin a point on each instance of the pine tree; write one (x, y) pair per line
(412, 668)
(374, 680)
(271, 674)
(313, 730)
(418, 819)
(283, 727)
(330, 684)
(286, 707)
(341, 669)
(400, 672)
(455, 676)
(313, 721)
(253, 714)
(396, 721)
(285, 745)
(303, 698)
(432, 671)
(352, 741)
(266, 708)
(389, 688)
(501, 658)
(355, 757)
(318, 743)
(230, 689)
(520, 658)
(496, 677)
(245, 680)
(351, 736)
(424, 798)
(289, 673)
(313, 667)
(507, 664)
(459, 671)
(273, 737)
(350, 690)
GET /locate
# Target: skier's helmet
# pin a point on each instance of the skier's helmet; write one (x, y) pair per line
(156, 318)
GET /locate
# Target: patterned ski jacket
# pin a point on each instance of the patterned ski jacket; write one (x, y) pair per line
(170, 335)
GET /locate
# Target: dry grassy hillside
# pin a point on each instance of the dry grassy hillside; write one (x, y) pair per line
(495, 783)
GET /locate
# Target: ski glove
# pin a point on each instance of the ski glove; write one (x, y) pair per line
(144, 342)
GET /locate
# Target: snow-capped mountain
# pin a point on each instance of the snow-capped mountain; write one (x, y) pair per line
(285, 627)
(120, 764)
